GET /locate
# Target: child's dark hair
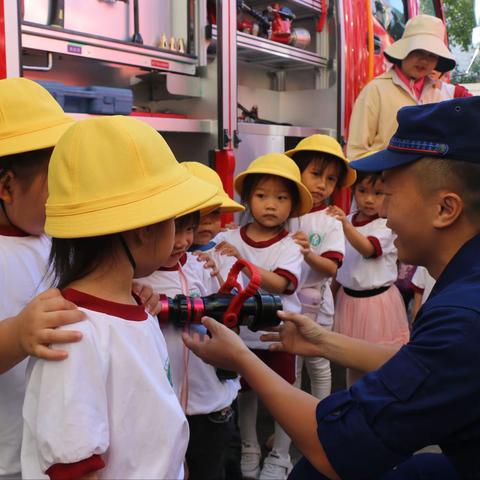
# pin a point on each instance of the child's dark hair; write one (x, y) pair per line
(371, 177)
(252, 180)
(73, 258)
(25, 165)
(305, 157)
(188, 219)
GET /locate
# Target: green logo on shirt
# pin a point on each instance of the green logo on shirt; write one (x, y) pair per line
(168, 371)
(314, 239)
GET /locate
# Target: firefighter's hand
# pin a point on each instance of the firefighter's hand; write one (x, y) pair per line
(225, 248)
(209, 262)
(150, 300)
(224, 349)
(298, 334)
(301, 239)
(38, 321)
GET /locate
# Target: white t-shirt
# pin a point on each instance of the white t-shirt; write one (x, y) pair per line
(111, 397)
(423, 282)
(326, 237)
(23, 266)
(280, 255)
(206, 392)
(360, 273)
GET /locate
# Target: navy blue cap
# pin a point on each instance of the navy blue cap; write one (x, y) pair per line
(449, 129)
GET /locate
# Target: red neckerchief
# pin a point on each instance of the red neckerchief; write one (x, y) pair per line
(415, 86)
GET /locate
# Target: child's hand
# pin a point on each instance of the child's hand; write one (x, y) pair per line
(225, 248)
(302, 240)
(298, 334)
(229, 226)
(150, 300)
(38, 320)
(337, 212)
(209, 262)
(224, 349)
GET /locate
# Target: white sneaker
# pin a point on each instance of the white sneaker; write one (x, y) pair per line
(275, 467)
(250, 461)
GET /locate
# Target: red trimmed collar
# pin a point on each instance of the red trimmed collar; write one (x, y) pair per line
(263, 243)
(121, 310)
(318, 208)
(181, 261)
(415, 86)
(356, 223)
(12, 231)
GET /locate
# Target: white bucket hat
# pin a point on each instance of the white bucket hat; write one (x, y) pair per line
(423, 32)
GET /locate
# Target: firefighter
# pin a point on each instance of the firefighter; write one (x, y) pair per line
(427, 391)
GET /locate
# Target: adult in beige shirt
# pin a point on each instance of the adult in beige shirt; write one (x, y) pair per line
(420, 51)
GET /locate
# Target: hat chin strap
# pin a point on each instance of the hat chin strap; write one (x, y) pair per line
(5, 213)
(127, 252)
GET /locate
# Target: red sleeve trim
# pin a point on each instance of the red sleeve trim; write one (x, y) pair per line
(416, 288)
(461, 92)
(376, 245)
(292, 280)
(72, 471)
(336, 257)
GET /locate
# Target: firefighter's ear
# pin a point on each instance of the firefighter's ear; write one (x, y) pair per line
(6, 186)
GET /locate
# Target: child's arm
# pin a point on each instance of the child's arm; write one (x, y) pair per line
(33, 330)
(316, 262)
(359, 242)
(209, 263)
(270, 281)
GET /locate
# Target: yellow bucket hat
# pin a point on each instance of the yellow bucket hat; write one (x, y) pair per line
(325, 144)
(112, 174)
(282, 166)
(423, 32)
(227, 205)
(30, 118)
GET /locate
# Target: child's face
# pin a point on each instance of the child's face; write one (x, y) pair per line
(321, 182)
(271, 202)
(369, 197)
(208, 227)
(183, 241)
(26, 204)
(419, 64)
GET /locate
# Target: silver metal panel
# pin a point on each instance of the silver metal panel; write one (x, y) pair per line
(12, 50)
(279, 130)
(69, 43)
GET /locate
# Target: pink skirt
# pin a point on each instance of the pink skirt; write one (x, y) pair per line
(379, 319)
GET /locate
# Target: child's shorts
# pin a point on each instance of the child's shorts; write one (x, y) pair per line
(282, 363)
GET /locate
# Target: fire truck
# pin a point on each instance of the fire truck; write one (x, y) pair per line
(224, 81)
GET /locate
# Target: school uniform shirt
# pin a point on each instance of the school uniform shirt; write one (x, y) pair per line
(109, 405)
(422, 283)
(23, 267)
(280, 255)
(206, 392)
(326, 238)
(426, 394)
(380, 270)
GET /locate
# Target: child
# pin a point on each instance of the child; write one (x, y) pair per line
(422, 283)
(31, 122)
(420, 50)
(323, 167)
(369, 305)
(109, 406)
(209, 225)
(272, 191)
(206, 399)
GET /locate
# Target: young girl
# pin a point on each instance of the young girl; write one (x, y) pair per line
(323, 167)
(108, 410)
(272, 191)
(206, 399)
(369, 305)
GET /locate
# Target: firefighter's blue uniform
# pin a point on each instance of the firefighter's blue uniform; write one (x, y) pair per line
(429, 392)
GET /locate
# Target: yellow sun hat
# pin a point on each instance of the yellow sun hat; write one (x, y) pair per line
(30, 118)
(211, 176)
(282, 166)
(112, 174)
(325, 144)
